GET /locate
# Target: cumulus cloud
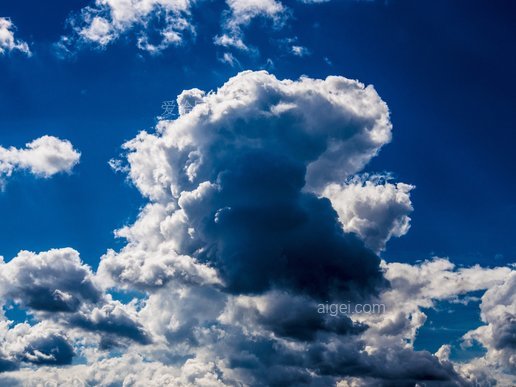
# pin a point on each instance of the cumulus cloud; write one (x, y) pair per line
(43, 157)
(54, 280)
(39, 344)
(372, 208)
(241, 166)
(497, 335)
(105, 21)
(8, 42)
(55, 287)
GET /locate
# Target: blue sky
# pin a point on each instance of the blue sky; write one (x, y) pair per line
(444, 69)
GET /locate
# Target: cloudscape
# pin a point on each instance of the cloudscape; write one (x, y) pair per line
(257, 193)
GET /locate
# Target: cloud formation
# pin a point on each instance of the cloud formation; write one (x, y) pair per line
(105, 21)
(256, 213)
(8, 41)
(372, 208)
(241, 13)
(242, 166)
(158, 24)
(43, 157)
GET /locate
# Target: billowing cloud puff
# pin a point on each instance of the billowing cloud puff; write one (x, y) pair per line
(8, 42)
(107, 20)
(498, 335)
(56, 286)
(372, 208)
(158, 24)
(43, 157)
(54, 280)
(41, 344)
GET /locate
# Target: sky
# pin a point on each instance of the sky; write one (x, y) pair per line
(315, 152)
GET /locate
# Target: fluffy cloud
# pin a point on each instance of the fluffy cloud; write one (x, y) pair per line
(43, 157)
(241, 166)
(8, 42)
(498, 335)
(372, 208)
(51, 281)
(57, 288)
(40, 344)
(107, 20)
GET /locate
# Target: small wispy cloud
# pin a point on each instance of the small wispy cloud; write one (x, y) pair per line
(8, 41)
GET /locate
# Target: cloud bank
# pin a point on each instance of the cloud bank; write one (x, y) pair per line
(43, 157)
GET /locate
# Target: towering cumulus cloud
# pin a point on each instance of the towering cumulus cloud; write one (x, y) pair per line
(233, 184)
(43, 157)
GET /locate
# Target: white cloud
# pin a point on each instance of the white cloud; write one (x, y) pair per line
(240, 15)
(8, 42)
(107, 20)
(354, 126)
(498, 335)
(253, 112)
(55, 280)
(372, 208)
(300, 51)
(418, 286)
(43, 157)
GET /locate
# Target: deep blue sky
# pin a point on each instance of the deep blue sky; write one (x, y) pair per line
(446, 69)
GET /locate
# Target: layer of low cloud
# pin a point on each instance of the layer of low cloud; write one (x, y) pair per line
(43, 157)
(8, 41)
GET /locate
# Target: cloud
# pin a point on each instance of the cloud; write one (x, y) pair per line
(40, 344)
(115, 320)
(55, 286)
(372, 208)
(105, 21)
(241, 13)
(300, 51)
(51, 281)
(240, 166)
(8, 42)
(43, 157)
(498, 335)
